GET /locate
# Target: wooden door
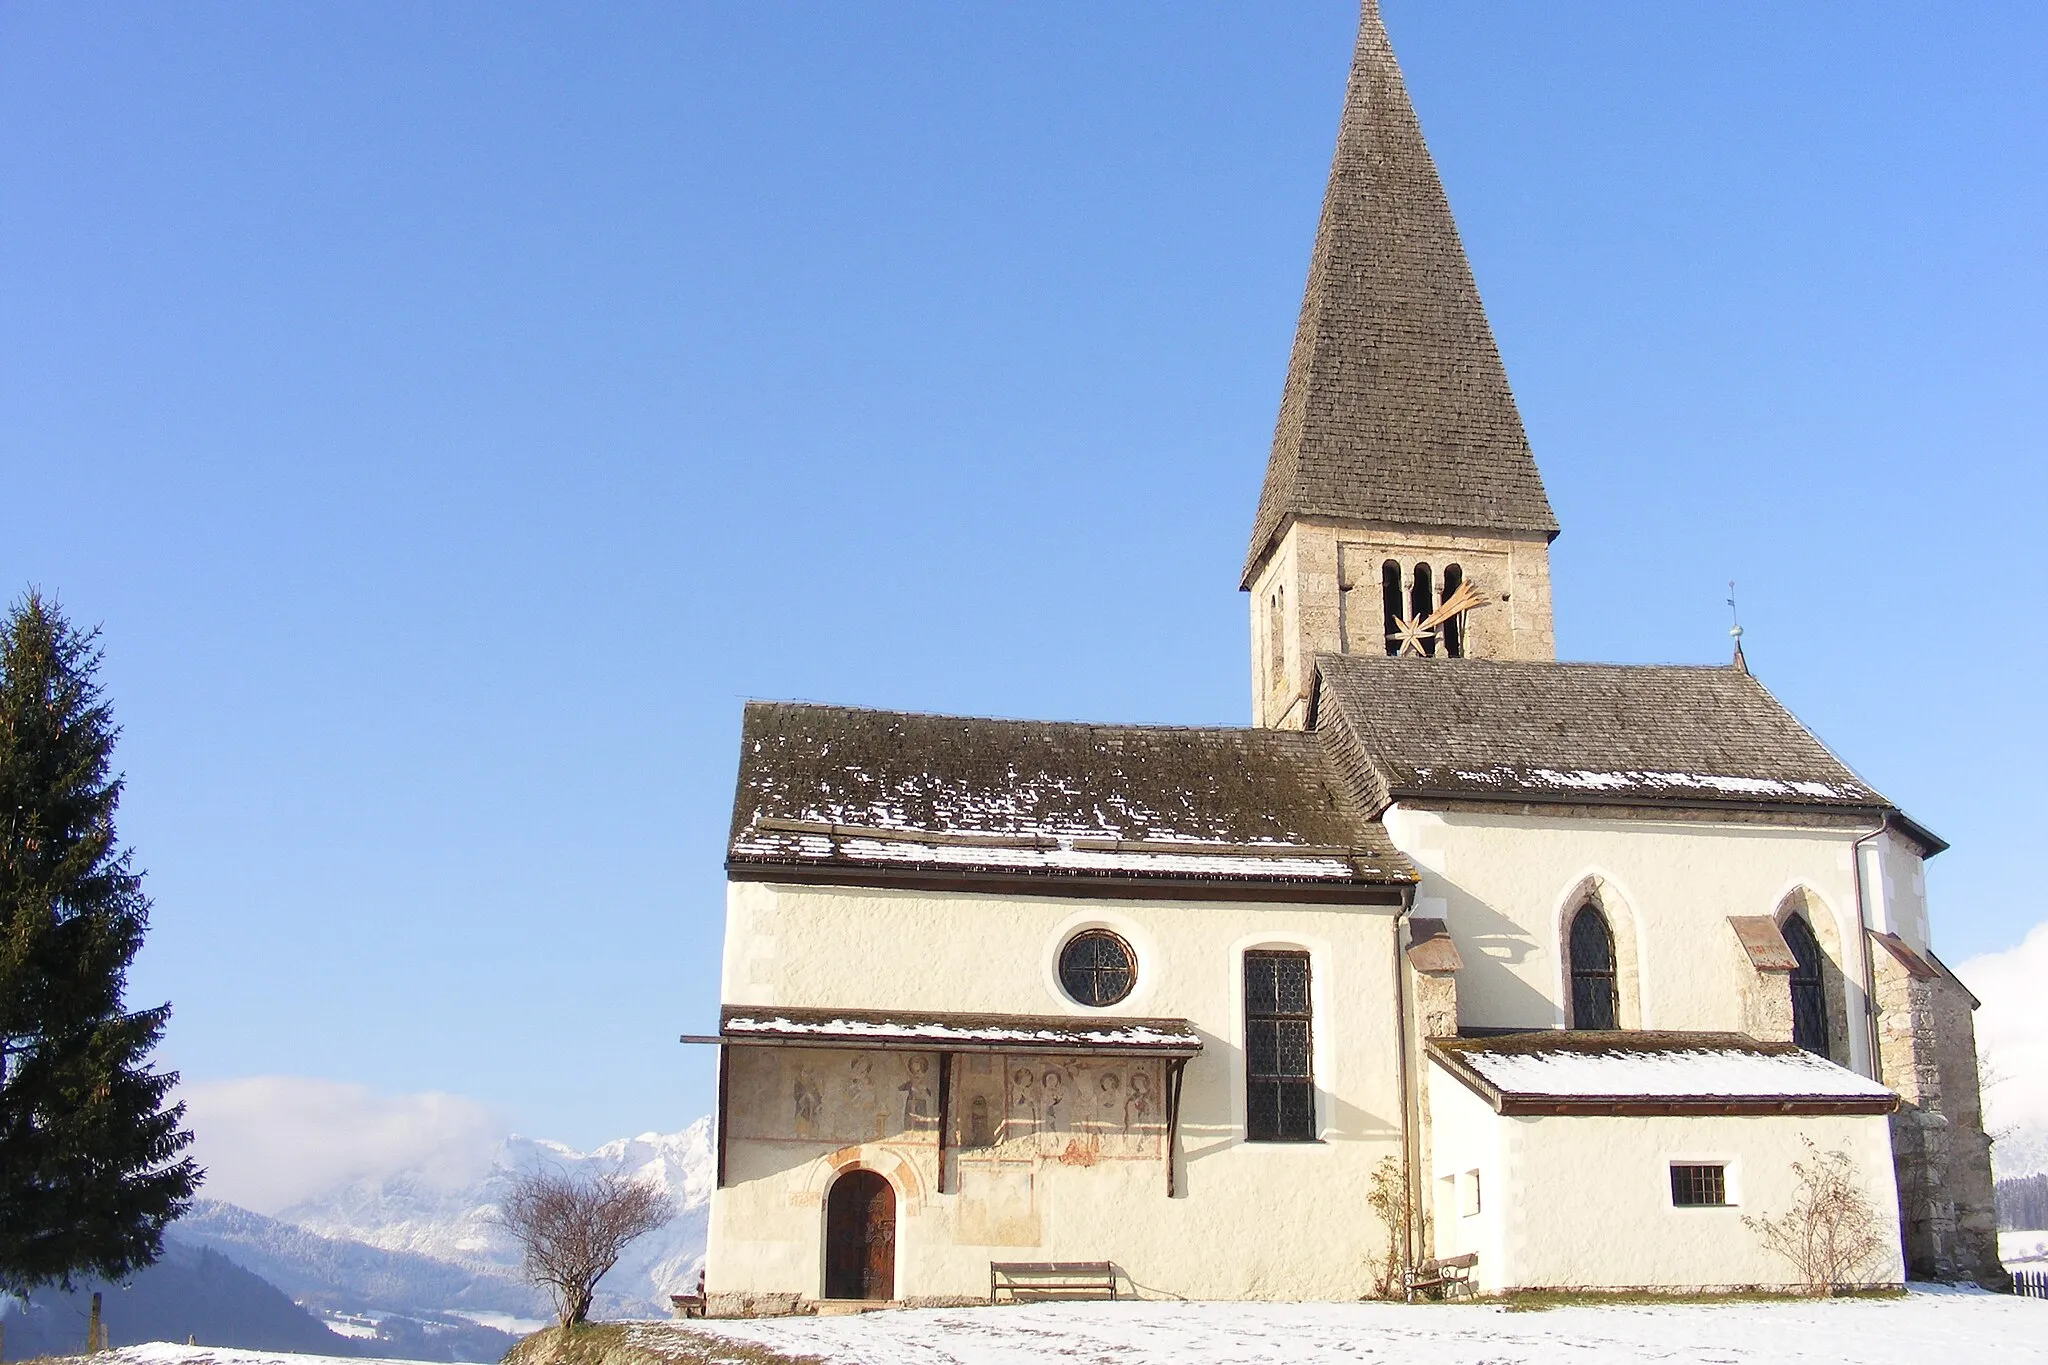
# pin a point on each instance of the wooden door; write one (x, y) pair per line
(860, 1238)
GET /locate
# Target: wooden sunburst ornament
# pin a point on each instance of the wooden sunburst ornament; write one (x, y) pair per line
(1457, 604)
(1410, 635)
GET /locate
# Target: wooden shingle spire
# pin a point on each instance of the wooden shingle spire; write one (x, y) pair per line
(1396, 408)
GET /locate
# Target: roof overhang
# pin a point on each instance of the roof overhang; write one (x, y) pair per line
(1085, 885)
(1645, 800)
(932, 1031)
(1427, 798)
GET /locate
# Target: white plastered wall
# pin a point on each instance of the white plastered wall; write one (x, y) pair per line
(1895, 887)
(1504, 883)
(1585, 1202)
(1252, 1220)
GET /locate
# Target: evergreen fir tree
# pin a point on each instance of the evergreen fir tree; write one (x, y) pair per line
(90, 1155)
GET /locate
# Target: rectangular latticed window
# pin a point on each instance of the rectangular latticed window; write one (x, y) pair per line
(1280, 1089)
(1695, 1187)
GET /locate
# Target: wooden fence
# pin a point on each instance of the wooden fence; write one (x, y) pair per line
(2032, 1284)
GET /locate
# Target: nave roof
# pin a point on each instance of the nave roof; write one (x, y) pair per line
(1573, 733)
(835, 788)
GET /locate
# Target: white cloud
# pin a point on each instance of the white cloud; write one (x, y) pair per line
(268, 1142)
(2012, 1029)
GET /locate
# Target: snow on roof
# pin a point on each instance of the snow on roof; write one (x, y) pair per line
(971, 1032)
(1595, 1072)
(842, 790)
(1234, 861)
(1488, 729)
(1644, 781)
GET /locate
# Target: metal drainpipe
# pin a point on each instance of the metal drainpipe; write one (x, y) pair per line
(1408, 1162)
(1863, 949)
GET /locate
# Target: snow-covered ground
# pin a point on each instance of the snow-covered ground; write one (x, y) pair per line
(164, 1353)
(1978, 1328)
(2023, 1250)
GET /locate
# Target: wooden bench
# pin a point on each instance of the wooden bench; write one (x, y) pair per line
(689, 1305)
(1033, 1281)
(1446, 1278)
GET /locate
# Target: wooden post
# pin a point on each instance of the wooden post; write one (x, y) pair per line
(95, 1328)
(945, 1111)
(719, 1127)
(1176, 1068)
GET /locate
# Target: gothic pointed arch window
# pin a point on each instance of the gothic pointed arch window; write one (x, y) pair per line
(1809, 990)
(1592, 970)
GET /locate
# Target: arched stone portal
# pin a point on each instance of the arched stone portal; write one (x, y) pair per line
(860, 1238)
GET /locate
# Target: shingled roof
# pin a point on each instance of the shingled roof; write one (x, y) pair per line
(1654, 1073)
(1575, 733)
(1396, 407)
(833, 789)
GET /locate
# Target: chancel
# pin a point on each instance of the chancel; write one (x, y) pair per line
(1580, 958)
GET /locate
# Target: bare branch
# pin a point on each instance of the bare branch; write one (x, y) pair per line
(1831, 1234)
(1387, 1197)
(572, 1229)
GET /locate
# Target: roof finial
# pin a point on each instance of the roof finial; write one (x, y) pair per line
(1740, 664)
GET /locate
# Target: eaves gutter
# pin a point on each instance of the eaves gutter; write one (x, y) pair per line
(1087, 885)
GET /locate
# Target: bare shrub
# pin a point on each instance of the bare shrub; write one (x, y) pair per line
(572, 1229)
(1832, 1234)
(1387, 1196)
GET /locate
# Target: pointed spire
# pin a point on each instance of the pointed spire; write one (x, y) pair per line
(1396, 408)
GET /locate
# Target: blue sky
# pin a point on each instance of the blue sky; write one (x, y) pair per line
(453, 412)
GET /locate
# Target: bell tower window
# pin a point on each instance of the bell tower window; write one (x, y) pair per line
(1452, 632)
(1390, 600)
(1422, 601)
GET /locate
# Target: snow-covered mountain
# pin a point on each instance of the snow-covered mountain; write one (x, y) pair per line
(453, 1224)
(344, 1277)
(2020, 1151)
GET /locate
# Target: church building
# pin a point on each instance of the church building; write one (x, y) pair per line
(1580, 958)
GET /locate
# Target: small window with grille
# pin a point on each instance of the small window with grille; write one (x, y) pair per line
(1699, 1187)
(1280, 1089)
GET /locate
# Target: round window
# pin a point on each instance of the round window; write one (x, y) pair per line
(1098, 968)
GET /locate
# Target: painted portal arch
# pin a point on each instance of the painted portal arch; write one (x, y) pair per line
(860, 1236)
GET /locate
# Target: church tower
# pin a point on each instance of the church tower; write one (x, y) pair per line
(1402, 512)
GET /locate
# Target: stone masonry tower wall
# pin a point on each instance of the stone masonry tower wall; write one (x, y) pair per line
(1324, 590)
